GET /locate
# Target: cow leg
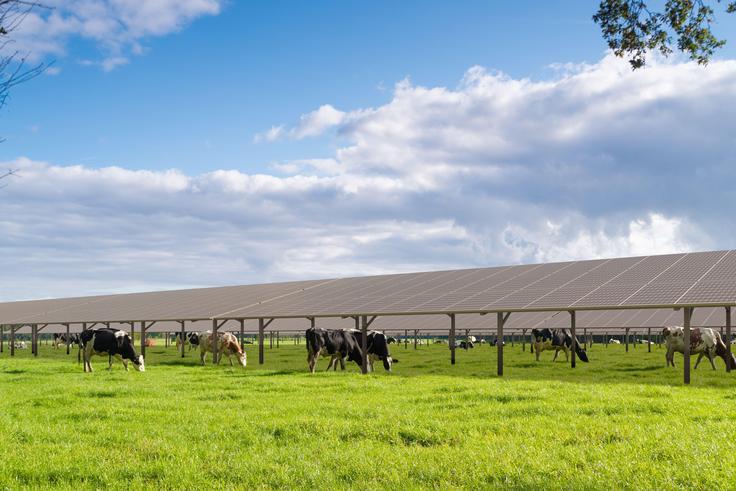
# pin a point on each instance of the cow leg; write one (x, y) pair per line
(332, 364)
(86, 355)
(312, 360)
(342, 363)
(230, 357)
(567, 353)
(710, 359)
(557, 352)
(537, 350)
(109, 362)
(202, 355)
(700, 357)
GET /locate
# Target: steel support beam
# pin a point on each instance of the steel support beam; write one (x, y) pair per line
(499, 343)
(183, 335)
(34, 339)
(452, 338)
(215, 343)
(687, 317)
(626, 339)
(728, 338)
(12, 340)
(415, 338)
(574, 339)
(364, 344)
(261, 328)
(523, 340)
(242, 333)
(649, 339)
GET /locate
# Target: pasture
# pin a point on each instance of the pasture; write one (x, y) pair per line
(621, 421)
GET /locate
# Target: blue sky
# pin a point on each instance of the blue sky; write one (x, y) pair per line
(184, 143)
(196, 97)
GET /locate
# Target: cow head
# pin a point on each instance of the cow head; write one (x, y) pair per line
(193, 338)
(580, 351)
(127, 350)
(242, 358)
(672, 332)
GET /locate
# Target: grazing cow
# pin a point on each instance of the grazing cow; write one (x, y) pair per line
(377, 348)
(110, 342)
(20, 345)
(558, 340)
(466, 345)
(494, 342)
(60, 339)
(614, 341)
(392, 339)
(705, 342)
(339, 345)
(227, 345)
(190, 338)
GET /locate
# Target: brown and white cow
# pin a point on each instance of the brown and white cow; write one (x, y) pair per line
(227, 345)
(704, 341)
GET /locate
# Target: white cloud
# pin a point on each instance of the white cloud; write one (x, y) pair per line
(272, 134)
(118, 27)
(651, 234)
(318, 121)
(311, 124)
(595, 162)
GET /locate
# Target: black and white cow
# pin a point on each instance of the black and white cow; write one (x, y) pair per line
(339, 345)
(190, 338)
(464, 344)
(110, 342)
(558, 340)
(377, 348)
(61, 339)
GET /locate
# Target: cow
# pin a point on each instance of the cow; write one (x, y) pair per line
(466, 345)
(339, 345)
(392, 339)
(227, 345)
(614, 341)
(704, 341)
(111, 342)
(377, 348)
(60, 339)
(558, 340)
(190, 338)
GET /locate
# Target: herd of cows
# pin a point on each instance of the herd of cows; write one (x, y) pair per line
(345, 345)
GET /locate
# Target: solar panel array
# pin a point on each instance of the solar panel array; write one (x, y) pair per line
(665, 281)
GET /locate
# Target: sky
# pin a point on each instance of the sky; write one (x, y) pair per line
(175, 144)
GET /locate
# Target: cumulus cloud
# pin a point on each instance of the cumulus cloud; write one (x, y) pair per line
(594, 162)
(311, 124)
(118, 27)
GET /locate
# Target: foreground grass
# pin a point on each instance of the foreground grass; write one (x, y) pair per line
(621, 421)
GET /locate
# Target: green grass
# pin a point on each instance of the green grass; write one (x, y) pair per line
(621, 421)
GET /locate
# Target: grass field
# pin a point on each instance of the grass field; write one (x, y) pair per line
(621, 421)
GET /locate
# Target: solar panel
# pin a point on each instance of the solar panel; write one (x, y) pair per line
(692, 279)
